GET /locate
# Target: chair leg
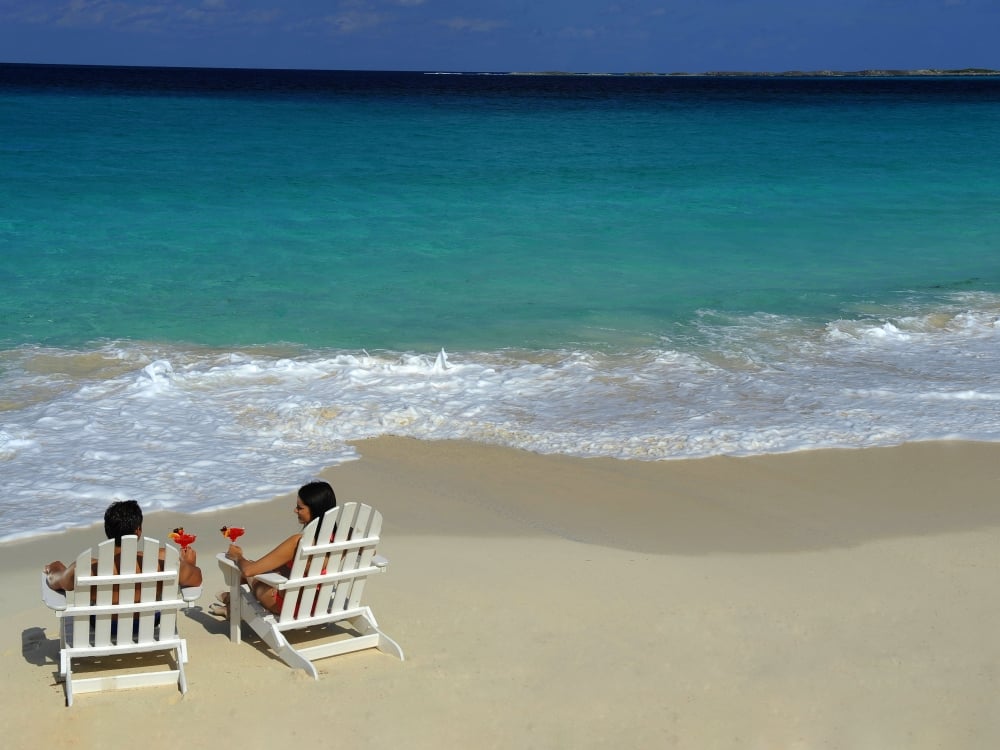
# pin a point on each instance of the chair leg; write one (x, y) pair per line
(181, 677)
(235, 610)
(69, 682)
(284, 651)
(366, 625)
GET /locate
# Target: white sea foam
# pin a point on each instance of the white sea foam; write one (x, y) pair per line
(198, 430)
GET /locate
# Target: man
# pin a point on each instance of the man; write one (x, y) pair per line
(122, 518)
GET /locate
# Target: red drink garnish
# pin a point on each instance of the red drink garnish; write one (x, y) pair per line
(182, 537)
(232, 533)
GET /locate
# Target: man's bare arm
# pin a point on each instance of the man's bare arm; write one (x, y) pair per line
(59, 576)
(189, 574)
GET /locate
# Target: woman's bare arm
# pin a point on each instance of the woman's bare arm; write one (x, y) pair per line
(271, 561)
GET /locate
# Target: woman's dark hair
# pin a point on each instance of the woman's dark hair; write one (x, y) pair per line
(318, 497)
(122, 518)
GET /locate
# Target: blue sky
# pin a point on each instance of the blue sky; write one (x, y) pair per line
(506, 35)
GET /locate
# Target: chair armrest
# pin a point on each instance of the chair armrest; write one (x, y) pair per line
(230, 570)
(271, 579)
(53, 599)
(233, 577)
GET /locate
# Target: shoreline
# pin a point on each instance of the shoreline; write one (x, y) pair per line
(765, 470)
(821, 599)
(686, 470)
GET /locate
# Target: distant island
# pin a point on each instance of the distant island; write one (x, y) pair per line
(873, 73)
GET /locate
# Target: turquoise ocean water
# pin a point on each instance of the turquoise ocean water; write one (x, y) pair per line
(211, 281)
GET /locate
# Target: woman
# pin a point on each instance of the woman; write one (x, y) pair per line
(314, 499)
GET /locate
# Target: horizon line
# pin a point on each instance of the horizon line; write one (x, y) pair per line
(862, 72)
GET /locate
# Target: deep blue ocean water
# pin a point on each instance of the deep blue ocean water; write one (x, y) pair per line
(212, 280)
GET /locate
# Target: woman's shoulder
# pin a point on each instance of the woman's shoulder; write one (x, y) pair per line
(289, 544)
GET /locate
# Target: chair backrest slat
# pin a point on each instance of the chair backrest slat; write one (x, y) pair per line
(373, 528)
(80, 597)
(146, 626)
(343, 562)
(104, 591)
(170, 589)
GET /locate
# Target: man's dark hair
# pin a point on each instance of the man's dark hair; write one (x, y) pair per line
(122, 518)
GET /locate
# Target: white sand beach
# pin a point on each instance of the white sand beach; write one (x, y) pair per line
(824, 599)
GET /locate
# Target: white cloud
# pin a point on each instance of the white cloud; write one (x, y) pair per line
(574, 32)
(128, 14)
(354, 20)
(476, 25)
(79, 12)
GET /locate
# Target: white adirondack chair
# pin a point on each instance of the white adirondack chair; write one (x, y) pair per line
(93, 627)
(325, 586)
